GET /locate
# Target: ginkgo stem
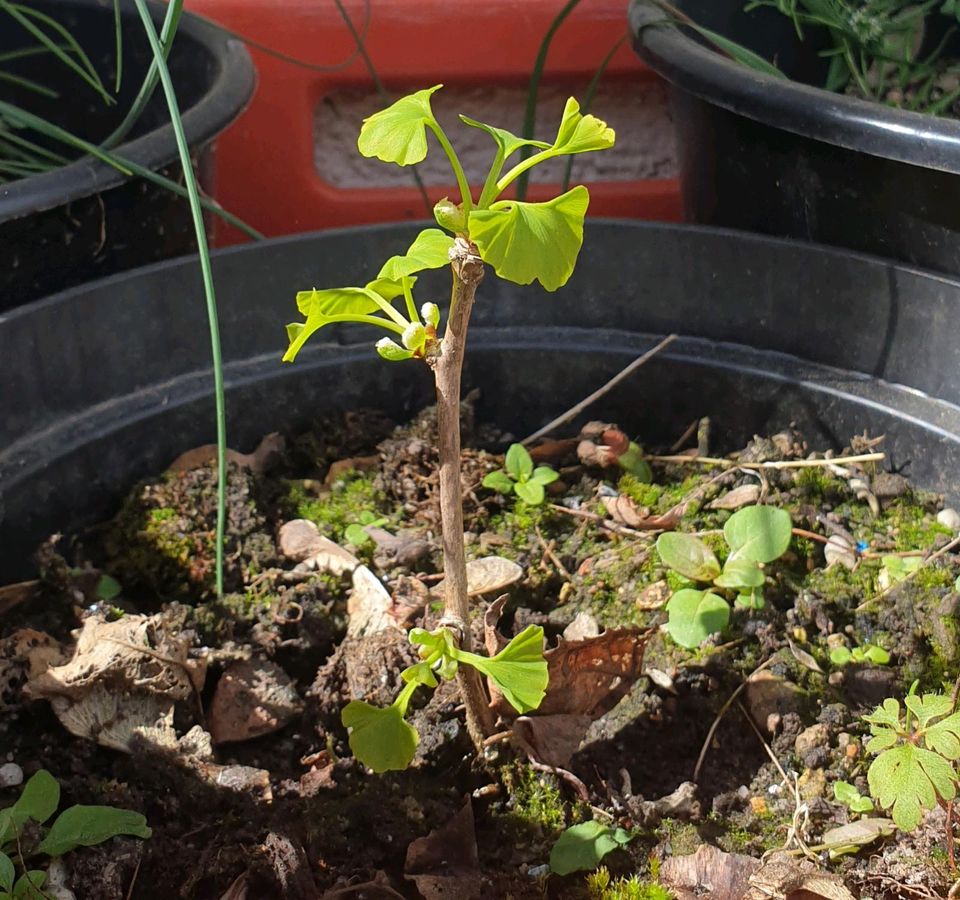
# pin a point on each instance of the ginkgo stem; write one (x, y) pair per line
(467, 270)
(466, 198)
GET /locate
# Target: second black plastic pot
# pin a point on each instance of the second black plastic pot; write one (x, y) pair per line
(787, 158)
(773, 334)
(86, 220)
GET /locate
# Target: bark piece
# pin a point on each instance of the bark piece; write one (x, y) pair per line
(708, 873)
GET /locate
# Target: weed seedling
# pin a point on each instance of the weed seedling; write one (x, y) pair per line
(23, 835)
(851, 798)
(519, 476)
(868, 653)
(755, 535)
(355, 533)
(523, 242)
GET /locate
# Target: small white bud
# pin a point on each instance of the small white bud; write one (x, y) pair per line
(414, 336)
(431, 314)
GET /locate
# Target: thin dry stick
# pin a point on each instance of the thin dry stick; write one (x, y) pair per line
(549, 553)
(467, 269)
(777, 464)
(943, 551)
(603, 522)
(723, 712)
(599, 392)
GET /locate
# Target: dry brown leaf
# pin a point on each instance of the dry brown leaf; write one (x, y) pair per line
(486, 575)
(784, 878)
(445, 863)
(708, 873)
(12, 595)
(252, 698)
(300, 540)
(623, 510)
(410, 597)
(256, 462)
(553, 453)
(238, 888)
(804, 658)
(741, 496)
(354, 463)
(551, 740)
(25, 654)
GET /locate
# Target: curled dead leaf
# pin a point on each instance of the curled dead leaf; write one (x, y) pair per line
(624, 511)
(267, 450)
(368, 606)
(445, 863)
(708, 873)
(252, 698)
(744, 495)
(300, 540)
(784, 878)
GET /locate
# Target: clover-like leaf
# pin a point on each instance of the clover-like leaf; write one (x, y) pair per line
(518, 462)
(740, 573)
(758, 533)
(582, 847)
(908, 780)
(398, 133)
(498, 481)
(579, 133)
(519, 670)
(379, 736)
(355, 534)
(694, 615)
(526, 242)
(544, 475)
(429, 250)
(506, 142)
(7, 872)
(688, 555)
(530, 492)
(86, 826)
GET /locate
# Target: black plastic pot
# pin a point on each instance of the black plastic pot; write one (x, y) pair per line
(85, 220)
(786, 158)
(765, 324)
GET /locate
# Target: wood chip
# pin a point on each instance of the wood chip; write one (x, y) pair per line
(738, 497)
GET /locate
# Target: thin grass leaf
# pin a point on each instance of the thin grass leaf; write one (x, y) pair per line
(737, 52)
(118, 40)
(27, 19)
(207, 271)
(29, 84)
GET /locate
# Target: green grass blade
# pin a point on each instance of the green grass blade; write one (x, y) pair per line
(118, 41)
(208, 286)
(29, 84)
(738, 52)
(530, 113)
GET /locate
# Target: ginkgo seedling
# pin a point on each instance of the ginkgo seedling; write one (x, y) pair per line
(917, 749)
(521, 477)
(755, 535)
(523, 242)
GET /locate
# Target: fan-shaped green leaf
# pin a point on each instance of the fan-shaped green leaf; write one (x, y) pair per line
(579, 133)
(907, 780)
(430, 250)
(688, 555)
(398, 133)
(519, 670)
(582, 847)
(758, 533)
(694, 616)
(507, 143)
(527, 242)
(380, 737)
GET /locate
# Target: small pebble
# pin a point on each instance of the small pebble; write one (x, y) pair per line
(538, 871)
(10, 775)
(949, 518)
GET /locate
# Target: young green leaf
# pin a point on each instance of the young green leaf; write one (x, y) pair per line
(885, 716)
(108, 588)
(840, 656)
(530, 492)
(518, 462)
(7, 872)
(398, 133)
(738, 52)
(355, 534)
(758, 533)
(519, 670)
(849, 796)
(390, 350)
(544, 475)
(421, 673)
(526, 242)
(579, 133)
(751, 599)
(39, 799)
(581, 847)
(740, 573)
(498, 481)
(877, 655)
(907, 780)
(928, 707)
(85, 826)
(380, 737)
(694, 616)
(430, 250)
(507, 143)
(688, 555)
(633, 462)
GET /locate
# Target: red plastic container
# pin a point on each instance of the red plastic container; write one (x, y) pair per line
(279, 169)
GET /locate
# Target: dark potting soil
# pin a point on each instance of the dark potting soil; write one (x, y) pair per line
(291, 814)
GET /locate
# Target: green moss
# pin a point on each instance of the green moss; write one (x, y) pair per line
(218, 619)
(912, 526)
(931, 578)
(683, 836)
(641, 493)
(818, 482)
(676, 581)
(537, 807)
(840, 585)
(352, 493)
(600, 886)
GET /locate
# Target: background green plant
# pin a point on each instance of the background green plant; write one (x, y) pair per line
(519, 476)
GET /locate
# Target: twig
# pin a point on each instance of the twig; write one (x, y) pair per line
(723, 712)
(680, 441)
(599, 392)
(548, 552)
(945, 549)
(133, 880)
(601, 521)
(775, 464)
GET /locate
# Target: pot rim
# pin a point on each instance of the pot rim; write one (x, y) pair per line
(854, 124)
(231, 88)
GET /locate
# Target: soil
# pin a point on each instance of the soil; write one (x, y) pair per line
(288, 812)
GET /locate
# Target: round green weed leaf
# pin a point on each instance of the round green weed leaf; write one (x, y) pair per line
(688, 555)
(380, 737)
(740, 573)
(530, 492)
(544, 475)
(498, 481)
(582, 847)
(518, 462)
(694, 616)
(758, 533)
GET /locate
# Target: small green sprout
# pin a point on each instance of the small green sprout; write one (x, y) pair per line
(355, 533)
(868, 653)
(917, 751)
(850, 797)
(77, 826)
(582, 847)
(523, 242)
(519, 476)
(755, 535)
